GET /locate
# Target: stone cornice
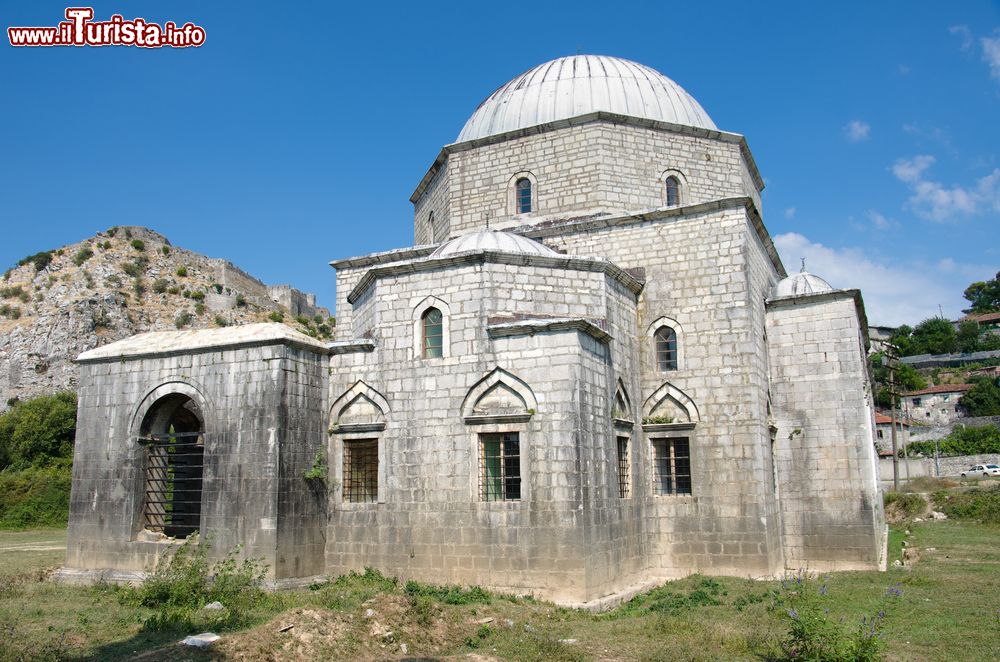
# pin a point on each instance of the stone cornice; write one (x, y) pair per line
(385, 257)
(351, 346)
(590, 118)
(572, 226)
(495, 257)
(220, 347)
(528, 327)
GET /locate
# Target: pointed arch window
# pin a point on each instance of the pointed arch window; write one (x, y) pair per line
(522, 193)
(433, 333)
(672, 192)
(665, 345)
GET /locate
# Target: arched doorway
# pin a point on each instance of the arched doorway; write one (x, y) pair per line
(173, 434)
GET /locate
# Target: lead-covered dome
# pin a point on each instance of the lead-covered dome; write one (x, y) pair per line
(799, 284)
(581, 84)
(494, 241)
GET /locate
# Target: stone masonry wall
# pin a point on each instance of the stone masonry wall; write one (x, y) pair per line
(257, 404)
(598, 167)
(825, 458)
(430, 522)
(706, 273)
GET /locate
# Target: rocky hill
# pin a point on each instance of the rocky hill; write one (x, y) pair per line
(127, 280)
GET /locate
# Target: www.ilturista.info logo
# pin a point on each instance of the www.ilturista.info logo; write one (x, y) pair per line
(81, 30)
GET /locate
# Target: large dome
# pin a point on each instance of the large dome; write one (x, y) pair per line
(493, 241)
(581, 84)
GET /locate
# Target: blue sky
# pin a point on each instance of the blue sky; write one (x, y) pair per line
(297, 133)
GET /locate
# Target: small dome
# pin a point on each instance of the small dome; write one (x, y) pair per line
(493, 240)
(799, 284)
(582, 84)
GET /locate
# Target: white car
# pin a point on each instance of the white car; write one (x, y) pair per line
(984, 470)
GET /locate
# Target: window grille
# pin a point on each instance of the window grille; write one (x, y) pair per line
(623, 467)
(361, 470)
(500, 462)
(433, 334)
(673, 192)
(522, 191)
(174, 470)
(666, 348)
(671, 466)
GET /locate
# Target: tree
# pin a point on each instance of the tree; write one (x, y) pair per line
(934, 336)
(38, 431)
(968, 336)
(984, 296)
(907, 379)
(983, 399)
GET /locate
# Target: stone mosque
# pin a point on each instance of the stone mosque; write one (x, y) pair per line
(591, 374)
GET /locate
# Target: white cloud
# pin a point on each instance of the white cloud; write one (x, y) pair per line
(937, 202)
(790, 212)
(991, 53)
(856, 131)
(964, 33)
(881, 222)
(894, 294)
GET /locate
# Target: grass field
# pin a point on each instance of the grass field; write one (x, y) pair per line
(949, 610)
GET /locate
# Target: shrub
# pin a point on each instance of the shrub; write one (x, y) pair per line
(674, 597)
(963, 440)
(10, 312)
(40, 260)
(241, 300)
(38, 431)
(221, 321)
(107, 246)
(112, 231)
(138, 287)
(182, 272)
(35, 497)
(88, 279)
(198, 295)
(318, 470)
(978, 504)
(815, 634)
(303, 320)
(276, 316)
(138, 244)
(14, 292)
(173, 290)
(199, 308)
(906, 503)
(217, 287)
(82, 256)
(133, 269)
(165, 250)
(182, 319)
(160, 285)
(183, 584)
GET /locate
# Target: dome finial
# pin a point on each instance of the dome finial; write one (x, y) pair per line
(487, 220)
(803, 270)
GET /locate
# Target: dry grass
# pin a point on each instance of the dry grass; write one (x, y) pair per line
(949, 611)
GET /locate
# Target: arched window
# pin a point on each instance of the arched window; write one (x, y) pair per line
(173, 433)
(673, 191)
(665, 341)
(522, 192)
(432, 333)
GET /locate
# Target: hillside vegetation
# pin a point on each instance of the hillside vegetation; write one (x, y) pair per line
(58, 303)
